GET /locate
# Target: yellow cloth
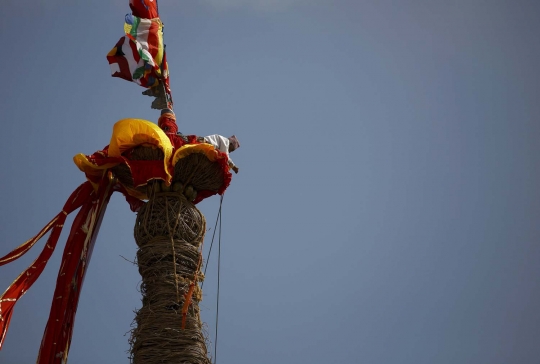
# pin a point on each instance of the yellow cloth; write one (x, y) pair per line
(90, 168)
(207, 149)
(129, 133)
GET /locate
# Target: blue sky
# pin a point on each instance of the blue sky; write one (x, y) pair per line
(387, 205)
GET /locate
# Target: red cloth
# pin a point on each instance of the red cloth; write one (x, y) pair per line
(144, 8)
(143, 171)
(77, 253)
(81, 196)
(171, 130)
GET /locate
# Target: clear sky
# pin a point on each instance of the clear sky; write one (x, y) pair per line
(387, 207)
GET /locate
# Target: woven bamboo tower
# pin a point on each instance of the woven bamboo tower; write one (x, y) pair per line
(169, 232)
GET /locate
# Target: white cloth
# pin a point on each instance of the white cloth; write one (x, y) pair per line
(221, 143)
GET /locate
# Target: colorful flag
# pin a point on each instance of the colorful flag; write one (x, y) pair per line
(148, 34)
(138, 56)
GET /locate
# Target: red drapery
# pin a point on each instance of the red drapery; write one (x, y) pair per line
(77, 253)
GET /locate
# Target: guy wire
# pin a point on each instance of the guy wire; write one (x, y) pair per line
(217, 300)
(218, 217)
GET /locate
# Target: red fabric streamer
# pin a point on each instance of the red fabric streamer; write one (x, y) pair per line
(77, 253)
(25, 280)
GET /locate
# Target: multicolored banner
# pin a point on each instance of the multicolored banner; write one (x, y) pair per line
(139, 56)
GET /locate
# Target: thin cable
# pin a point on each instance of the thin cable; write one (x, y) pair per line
(213, 235)
(217, 300)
